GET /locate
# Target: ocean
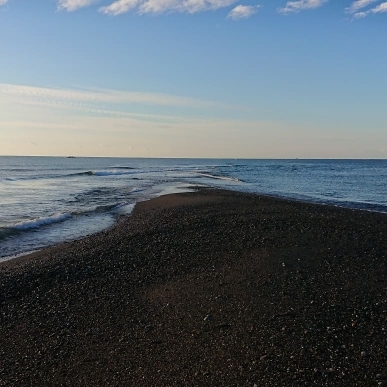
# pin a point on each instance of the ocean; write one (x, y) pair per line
(47, 200)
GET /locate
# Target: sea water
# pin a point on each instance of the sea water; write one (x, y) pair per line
(47, 200)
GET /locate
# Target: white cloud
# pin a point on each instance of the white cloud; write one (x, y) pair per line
(296, 6)
(359, 4)
(381, 8)
(119, 6)
(359, 15)
(3, 2)
(163, 6)
(243, 12)
(72, 5)
(156, 6)
(94, 98)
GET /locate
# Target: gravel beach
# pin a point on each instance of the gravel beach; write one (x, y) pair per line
(209, 288)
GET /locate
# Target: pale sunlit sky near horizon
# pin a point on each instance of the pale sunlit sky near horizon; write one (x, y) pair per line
(194, 78)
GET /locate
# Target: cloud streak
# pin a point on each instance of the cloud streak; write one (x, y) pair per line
(381, 8)
(358, 5)
(164, 6)
(300, 5)
(158, 7)
(243, 12)
(119, 7)
(3, 2)
(97, 96)
(73, 5)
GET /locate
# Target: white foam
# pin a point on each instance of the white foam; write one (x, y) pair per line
(36, 223)
(219, 177)
(137, 189)
(125, 208)
(112, 173)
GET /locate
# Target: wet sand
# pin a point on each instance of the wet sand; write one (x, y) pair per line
(211, 288)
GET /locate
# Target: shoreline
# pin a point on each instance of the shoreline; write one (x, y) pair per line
(5, 261)
(210, 287)
(25, 255)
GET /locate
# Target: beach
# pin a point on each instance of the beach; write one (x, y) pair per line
(208, 288)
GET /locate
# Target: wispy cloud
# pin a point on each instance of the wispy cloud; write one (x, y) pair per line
(120, 6)
(163, 6)
(74, 96)
(300, 5)
(73, 5)
(381, 8)
(243, 12)
(357, 9)
(3, 2)
(358, 5)
(359, 15)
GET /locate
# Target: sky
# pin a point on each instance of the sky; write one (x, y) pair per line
(194, 78)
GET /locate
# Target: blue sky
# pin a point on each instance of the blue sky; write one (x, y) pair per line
(194, 78)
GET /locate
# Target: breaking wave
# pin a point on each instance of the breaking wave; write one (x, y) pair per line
(36, 223)
(219, 177)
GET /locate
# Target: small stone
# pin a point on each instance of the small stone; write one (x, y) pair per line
(363, 353)
(317, 372)
(263, 358)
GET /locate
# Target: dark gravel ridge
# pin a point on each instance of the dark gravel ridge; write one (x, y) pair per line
(211, 288)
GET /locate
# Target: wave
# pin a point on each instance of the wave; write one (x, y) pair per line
(17, 169)
(86, 173)
(219, 177)
(8, 179)
(118, 170)
(68, 175)
(118, 208)
(23, 178)
(100, 173)
(96, 209)
(46, 177)
(6, 231)
(137, 189)
(38, 222)
(124, 171)
(113, 173)
(121, 167)
(190, 168)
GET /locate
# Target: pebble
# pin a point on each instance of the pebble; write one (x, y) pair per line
(80, 327)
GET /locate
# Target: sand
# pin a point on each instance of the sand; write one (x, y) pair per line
(211, 288)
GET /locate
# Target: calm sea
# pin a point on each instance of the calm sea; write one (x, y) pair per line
(46, 200)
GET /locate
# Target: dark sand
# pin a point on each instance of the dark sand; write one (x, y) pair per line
(210, 289)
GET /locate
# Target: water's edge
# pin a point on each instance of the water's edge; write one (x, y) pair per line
(196, 189)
